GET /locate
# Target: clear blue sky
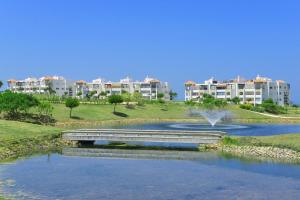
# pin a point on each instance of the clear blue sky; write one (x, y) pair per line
(169, 39)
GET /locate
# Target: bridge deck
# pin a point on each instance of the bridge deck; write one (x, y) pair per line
(129, 135)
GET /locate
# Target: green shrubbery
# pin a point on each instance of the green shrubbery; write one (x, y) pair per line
(271, 107)
(208, 102)
(230, 141)
(267, 106)
(246, 106)
(13, 104)
(18, 106)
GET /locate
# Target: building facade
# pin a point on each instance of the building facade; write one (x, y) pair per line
(249, 91)
(149, 88)
(45, 85)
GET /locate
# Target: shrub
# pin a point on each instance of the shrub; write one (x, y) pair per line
(137, 97)
(161, 101)
(246, 106)
(126, 97)
(45, 108)
(236, 100)
(258, 109)
(160, 95)
(15, 103)
(190, 103)
(230, 141)
(271, 107)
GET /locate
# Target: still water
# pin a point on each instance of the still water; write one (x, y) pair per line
(231, 129)
(204, 176)
(158, 175)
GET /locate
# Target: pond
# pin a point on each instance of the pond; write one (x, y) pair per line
(201, 176)
(83, 173)
(231, 129)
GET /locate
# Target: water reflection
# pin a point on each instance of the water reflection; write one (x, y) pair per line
(89, 173)
(138, 154)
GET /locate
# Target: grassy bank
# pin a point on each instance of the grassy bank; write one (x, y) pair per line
(18, 138)
(282, 148)
(288, 141)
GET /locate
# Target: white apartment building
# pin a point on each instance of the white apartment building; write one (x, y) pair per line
(149, 88)
(48, 84)
(249, 91)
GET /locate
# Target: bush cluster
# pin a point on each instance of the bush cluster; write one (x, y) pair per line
(18, 106)
(267, 106)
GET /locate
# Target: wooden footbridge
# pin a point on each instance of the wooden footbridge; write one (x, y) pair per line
(89, 136)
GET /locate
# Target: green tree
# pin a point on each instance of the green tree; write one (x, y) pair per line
(1, 84)
(103, 95)
(127, 97)
(71, 103)
(90, 94)
(210, 102)
(15, 103)
(173, 95)
(45, 108)
(49, 88)
(115, 99)
(160, 95)
(79, 94)
(137, 97)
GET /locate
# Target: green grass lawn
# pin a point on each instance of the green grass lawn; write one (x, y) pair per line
(292, 112)
(291, 141)
(10, 130)
(105, 112)
(154, 111)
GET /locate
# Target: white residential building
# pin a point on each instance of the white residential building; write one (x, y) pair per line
(249, 91)
(149, 88)
(49, 84)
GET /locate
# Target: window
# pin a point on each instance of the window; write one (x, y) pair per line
(249, 93)
(241, 87)
(220, 93)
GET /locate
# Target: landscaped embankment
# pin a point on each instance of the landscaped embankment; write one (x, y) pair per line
(20, 139)
(262, 153)
(284, 148)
